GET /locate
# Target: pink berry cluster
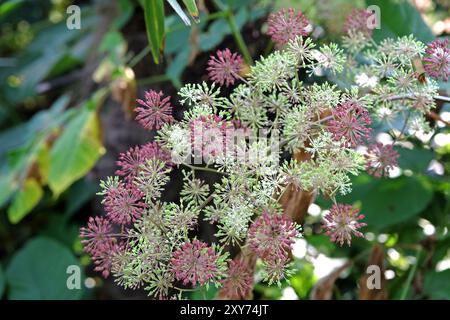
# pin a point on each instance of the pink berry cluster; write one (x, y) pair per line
(271, 236)
(225, 67)
(154, 111)
(350, 121)
(99, 242)
(381, 159)
(196, 263)
(238, 283)
(123, 202)
(327, 124)
(437, 59)
(342, 222)
(358, 21)
(285, 25)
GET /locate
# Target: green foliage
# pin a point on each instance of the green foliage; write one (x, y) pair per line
(25, 200)
(2, 281)
(303, 280)
(51, 52)
(180, 46)
(46, 148)
(389, 201)
(38, 271)
(417, 160)
(154, 20)
(36, 163)
(400, 19)
(437, 284)
(77, 150)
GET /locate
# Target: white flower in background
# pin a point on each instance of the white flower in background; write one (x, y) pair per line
(364, 81)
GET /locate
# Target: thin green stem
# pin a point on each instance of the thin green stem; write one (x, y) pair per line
(153, 79)
(141, 55)
(411, 274)
(239, 39)
(404, 127)
(203, 168)
(184, 290)
(235, 31)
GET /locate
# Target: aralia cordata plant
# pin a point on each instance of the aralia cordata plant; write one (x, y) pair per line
(146, 242)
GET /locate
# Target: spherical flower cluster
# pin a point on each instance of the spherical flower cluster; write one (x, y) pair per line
(272, 235)
(154, 111)
(437, 59)
(350, 121)
(96, 235)
(210, 135)
(286, 25)
(239, 281)
(225, 67)
(195, 262)
(131, 161)
(381, 159)
(342, 222)
(358, 21)
(98, 242)
(148, 240)
(123, 205)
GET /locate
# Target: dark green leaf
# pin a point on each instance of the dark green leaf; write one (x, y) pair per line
(437, 284)
(400, 19)
(6, 187)
(79, 194)
(386, 202)
(154, 22)
(416, 160)
(177, 66)
(9, 6)
(2, 282)
(126, 12)
(38, 272)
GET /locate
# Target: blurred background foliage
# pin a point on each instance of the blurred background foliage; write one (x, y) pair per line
(66, 111)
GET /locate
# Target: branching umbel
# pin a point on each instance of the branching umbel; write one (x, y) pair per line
(261, 197)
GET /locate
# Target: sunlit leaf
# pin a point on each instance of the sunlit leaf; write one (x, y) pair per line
(77, 150)
(25, 200)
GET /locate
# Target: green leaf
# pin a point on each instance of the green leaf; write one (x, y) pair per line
(437, 284)
(58, 229)
(192, 9)
(303, 280)
(178, 65)
(6, 186)
(38, 272)
(78, 195)
(400, 19)
(386, 202)
(126, 9)
(9, 6)
(205, 293)
(416, 160)
(154, 22)
(25, 200)
(77, 150)
(2, 282)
